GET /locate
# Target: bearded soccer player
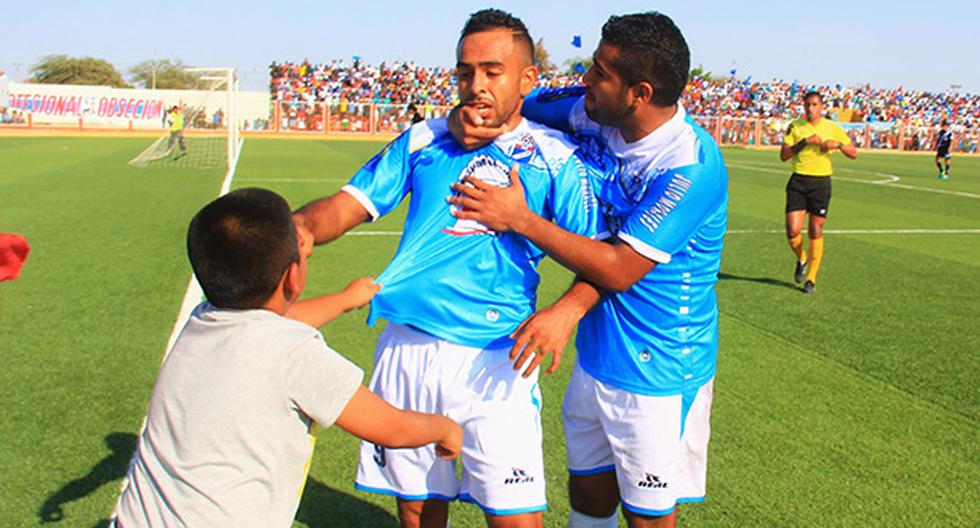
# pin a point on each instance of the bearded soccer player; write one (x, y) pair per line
(456, 290)
(637, 408)
(809, 142)
(944, 140)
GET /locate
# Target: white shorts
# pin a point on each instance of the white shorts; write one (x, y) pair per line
(660, 456)
(500, 412)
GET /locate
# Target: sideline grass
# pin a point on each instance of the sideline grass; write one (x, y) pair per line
(853, 407)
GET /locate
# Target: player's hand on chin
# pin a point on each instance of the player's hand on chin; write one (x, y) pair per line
(545, 333)
(469, 129)
(498, 208)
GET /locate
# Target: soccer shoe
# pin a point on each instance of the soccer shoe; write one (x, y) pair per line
(809, 287)
(942, 176)
(800, 272)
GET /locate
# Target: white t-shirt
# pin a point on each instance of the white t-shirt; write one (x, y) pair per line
(230, 429)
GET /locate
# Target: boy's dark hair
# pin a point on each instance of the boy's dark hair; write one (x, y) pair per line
(240, 245)
(813, 93)
(488, 19)
(651, 49)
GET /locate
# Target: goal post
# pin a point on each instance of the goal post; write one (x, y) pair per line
(210, 135)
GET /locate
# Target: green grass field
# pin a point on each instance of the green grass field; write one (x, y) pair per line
(857, 406)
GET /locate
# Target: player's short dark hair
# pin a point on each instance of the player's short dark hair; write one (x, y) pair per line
(813, 93)
(651, 49)
(490, 18)
(240, 245)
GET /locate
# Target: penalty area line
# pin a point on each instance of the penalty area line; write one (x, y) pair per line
(890, 182)
(910, 231)
(896, 231)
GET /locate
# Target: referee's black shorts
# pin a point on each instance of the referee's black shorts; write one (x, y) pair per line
(810, 193)
(942, 153)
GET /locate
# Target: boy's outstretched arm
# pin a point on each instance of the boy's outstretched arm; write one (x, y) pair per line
(370, 418)
(321, 310)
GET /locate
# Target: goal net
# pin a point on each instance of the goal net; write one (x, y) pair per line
(209, 137)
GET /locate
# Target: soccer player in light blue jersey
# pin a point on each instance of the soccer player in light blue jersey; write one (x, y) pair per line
(637, 409)
(455, 290)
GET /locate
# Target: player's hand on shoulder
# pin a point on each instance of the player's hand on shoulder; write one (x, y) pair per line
(469, 130)
(360, 292)
(449, 447)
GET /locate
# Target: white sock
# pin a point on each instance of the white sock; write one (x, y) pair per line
(577, 519)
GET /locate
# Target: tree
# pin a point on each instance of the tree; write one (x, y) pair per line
(62, 69)
(700, 73)
(541, 57)
(166, 74)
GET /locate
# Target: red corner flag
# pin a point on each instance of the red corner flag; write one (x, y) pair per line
(13, 253)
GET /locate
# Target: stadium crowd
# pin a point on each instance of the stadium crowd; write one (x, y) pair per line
(402, 83)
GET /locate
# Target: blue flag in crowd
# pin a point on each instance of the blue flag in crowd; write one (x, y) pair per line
(577, 41)
(579, 68)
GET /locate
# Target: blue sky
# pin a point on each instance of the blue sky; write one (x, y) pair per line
(927, 47)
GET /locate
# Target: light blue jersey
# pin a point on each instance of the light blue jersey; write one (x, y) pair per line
(456, 279)
(669, 202)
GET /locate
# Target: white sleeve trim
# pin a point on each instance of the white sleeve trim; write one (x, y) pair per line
(645, 249)
(363, 199)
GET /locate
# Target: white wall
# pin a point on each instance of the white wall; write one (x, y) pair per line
(105, 106)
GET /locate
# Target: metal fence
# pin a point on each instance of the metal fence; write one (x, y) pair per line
(886, 136)
(303, 117)
(356, 118)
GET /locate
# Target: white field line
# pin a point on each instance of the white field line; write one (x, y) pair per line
(862, 231)
(194, 293)
(889, 180)
(294, 180)
(899, 231)
(192, 297)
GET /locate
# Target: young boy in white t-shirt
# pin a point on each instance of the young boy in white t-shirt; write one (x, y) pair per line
(232, 419)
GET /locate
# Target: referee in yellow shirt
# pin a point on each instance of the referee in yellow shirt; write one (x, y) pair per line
(809, 141)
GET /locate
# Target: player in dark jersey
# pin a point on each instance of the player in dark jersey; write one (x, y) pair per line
(944, 141)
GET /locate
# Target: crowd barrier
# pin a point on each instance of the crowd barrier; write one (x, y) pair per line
(300, 117)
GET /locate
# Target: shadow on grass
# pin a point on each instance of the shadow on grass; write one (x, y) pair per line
(322, 506)
(761, 280)
(111, 468)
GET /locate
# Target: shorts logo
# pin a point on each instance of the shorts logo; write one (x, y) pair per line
(645, 357)
(493, 315)
(379, 456)
(651, 481)
(518, 476)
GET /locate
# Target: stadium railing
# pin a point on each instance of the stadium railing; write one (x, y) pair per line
(314, 117)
